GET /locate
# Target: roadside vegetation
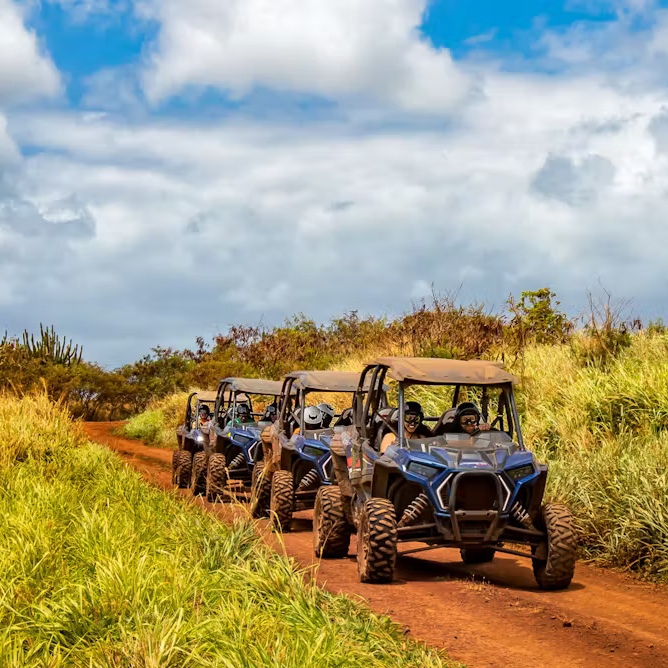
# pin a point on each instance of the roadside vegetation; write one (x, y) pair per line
(99, 569)
(594, 395)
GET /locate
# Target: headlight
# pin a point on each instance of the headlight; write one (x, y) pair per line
(423, 469)
(200, 438)
(520, 472)
(313, 451)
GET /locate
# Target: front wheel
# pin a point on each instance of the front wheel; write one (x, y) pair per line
(261, 491)
(282, 500)
(198, 482)
(183, 462)
(331, 531)
(556, 572)
(377, 541)
(216, 477)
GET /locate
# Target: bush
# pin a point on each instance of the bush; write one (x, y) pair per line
(158, 424)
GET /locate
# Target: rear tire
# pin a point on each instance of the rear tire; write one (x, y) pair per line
(477, 555)
(261, 492)
(331, 531)
(377, 542)
(282, 500)
(216, 477)
(556, 572)
(183, 468)
(198, 481)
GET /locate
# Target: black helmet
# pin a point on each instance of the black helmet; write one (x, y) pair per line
(466, 408)
(413, 408)
(244, 412)
(270, 412)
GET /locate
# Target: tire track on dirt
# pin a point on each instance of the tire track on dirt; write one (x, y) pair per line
(487, 616)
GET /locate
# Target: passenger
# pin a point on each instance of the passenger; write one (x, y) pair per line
(413, 425)
(313, 419)
(270, 413)
(327, 411)
(467, 419)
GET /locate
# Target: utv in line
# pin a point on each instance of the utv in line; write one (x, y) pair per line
(192, 435)
(233, 449)
(479, 491)
(300, 447)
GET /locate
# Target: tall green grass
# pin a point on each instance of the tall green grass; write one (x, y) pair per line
(99, 569)
(157, 424)
(603, 432)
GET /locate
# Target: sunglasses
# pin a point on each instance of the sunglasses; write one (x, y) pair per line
(469, 421)
(412, 418)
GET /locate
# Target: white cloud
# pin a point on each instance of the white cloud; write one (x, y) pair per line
(343, 50)
(25, 72)
(546, 181)
(132, 233)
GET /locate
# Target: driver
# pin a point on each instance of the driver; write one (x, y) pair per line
(239, 416)
(413, 425)
(204, 418)
(467, 419)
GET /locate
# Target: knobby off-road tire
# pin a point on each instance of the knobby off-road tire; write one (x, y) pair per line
(331, 531)
(556, 572)
(282, 500)
(183, 469)
(216, 477)
(198, 481)
(261, 492)
(477, 555)
(377, 542)
(175, 456)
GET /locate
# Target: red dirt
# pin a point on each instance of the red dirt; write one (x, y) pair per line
(486, 616)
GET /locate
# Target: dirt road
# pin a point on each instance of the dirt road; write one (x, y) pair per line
(485, 616)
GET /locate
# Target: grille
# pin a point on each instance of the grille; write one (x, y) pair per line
(476, 492)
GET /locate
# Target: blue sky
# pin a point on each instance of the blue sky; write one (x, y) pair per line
(169, 168)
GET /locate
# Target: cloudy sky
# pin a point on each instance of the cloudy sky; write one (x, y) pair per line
(168, 168)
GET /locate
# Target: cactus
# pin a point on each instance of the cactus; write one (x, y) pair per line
(49, 346)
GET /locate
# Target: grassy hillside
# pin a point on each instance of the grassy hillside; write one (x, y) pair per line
(99, 569)
(604, 433)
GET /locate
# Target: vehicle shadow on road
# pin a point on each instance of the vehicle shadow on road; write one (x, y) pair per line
(506, 572)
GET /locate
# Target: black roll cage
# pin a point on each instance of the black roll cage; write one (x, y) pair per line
(364, 410)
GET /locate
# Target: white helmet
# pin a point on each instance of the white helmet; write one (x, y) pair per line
(327, 414)
(312, 417)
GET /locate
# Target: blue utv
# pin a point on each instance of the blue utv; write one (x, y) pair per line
(467, 482)
(191, 436)
(302, 436)
(230, 456)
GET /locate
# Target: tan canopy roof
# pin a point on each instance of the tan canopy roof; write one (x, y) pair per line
(254, 385)
(206, 396)
(431, 370)
(325, 381)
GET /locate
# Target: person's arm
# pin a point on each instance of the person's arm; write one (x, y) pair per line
(387, 441)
